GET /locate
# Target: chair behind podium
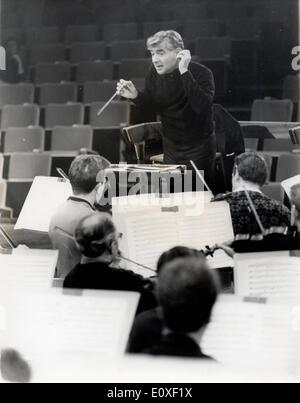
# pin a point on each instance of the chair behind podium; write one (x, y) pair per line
(143, 141)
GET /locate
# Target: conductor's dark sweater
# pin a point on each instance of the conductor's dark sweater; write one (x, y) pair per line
(184, 103)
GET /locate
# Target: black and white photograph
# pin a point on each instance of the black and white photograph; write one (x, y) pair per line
(149, 194)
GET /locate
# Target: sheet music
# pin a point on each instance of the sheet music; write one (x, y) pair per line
(289, 183)
(90, 322)
(27, 270)
(148, 232)
(44, 198)
(254, 334)
(267, 275)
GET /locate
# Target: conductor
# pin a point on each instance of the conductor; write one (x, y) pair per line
(182, 93)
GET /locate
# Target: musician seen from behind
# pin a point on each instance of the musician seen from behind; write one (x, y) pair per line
(182, 93)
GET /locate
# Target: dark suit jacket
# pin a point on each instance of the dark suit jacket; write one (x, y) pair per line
(100, 276)
(178, 345)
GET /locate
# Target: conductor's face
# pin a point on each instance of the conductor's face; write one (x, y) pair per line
(164, 58)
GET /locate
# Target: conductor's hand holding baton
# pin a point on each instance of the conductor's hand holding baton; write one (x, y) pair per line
(127, 89)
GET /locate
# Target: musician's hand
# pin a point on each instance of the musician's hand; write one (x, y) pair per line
(227, 249)
(185, 58)
(127, 89)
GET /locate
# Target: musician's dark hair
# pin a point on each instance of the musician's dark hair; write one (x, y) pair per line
(14, 368)
(175, 253)
(252, 167)
(95, 235)
(187, 291)
(84, 171)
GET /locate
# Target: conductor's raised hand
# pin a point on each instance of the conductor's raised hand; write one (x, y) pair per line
(127, 89)
(185, 58)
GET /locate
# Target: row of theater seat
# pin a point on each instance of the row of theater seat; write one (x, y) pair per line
(60, 93)
(123, 10)
(235, 28)
(204, 46)
(65, 115)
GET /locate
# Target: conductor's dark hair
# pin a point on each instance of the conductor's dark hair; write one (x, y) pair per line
(252, 168)
(175, 253)
(187, 292)
(95, 234)
(84, 171)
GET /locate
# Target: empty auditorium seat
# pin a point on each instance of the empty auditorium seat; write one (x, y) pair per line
(87, 52)
(197, 29)
(57, 93)
(52, 72)
(95, 91)
(71, 138)
(8, 33)
(151, 28)
(81, 33)
(16, 94)
(213, 47)
(64, 115)
(242, 28)
(20, 116)
(3, 190)
(274, 191)
(1, 165)
(29, 165)
(117, 114)
(47, 54)
(127, 50)
(190, 12)
(265, 110)
(137, 68)
(284, 145)
(120, 32)
(95, 71)
(251, 144)
(42, 35)
(291, 88)
(287, 167)
(224, 10)
(24, 139)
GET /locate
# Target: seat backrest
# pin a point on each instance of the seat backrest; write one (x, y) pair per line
(291, 88)
(64, 115)
(71, 138)
(287, 167)
(16, 94)
(191, 12)
(52, 72)
(196, 29)
(20, 116)
(264, 110)
(95, 91)
(1, 165)
(251, 144)
(120, 32)
(117, 114)
(275, 191)
(87, 52)
(81, 33)
(127, 50)
(27, 166)
(24, 139)
(242, 28)
(279, 145)
(151, 28)
(57, 93)
(137, 68)
(3, 190)
(95, 71)
(213, 47)
(47, 54)
(46, 35)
